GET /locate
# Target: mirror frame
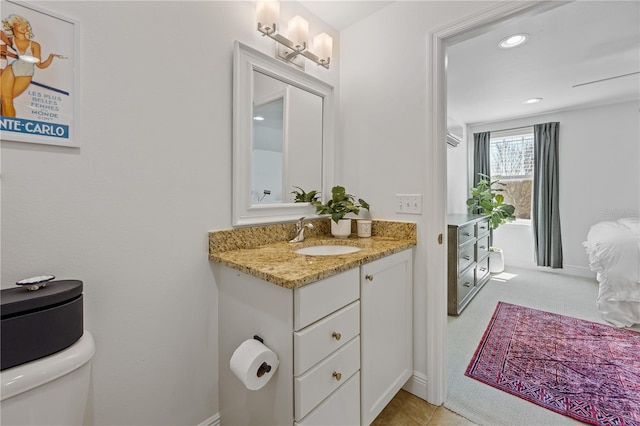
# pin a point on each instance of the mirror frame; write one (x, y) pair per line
(246, 60)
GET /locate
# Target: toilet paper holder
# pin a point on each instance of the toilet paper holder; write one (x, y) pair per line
(264, 367)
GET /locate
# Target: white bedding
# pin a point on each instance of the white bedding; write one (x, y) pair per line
(614, 254)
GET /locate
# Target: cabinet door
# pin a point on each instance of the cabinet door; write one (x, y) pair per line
(386, 331)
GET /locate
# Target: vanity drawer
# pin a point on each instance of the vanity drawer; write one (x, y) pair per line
(346, 401)
(317, 300)
(466, 256)
(321, 380)
(482, 228)
(313, 343)
(465, 283)
(466, 233)
(483, 247)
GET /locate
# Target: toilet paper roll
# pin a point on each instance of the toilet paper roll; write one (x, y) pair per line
(253, 363)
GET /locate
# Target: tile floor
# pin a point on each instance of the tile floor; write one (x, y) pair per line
(406, 409)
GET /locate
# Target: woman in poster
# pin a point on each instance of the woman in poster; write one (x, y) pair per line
(16, 77)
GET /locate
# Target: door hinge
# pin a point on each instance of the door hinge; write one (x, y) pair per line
(440, 239)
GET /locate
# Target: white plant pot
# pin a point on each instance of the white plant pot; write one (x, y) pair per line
(342, 229)
(496, 260)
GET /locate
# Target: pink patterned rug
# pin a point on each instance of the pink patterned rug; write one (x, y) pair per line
(580, 369)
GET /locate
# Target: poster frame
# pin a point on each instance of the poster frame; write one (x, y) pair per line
(8, 130)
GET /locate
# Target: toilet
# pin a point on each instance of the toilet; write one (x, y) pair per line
(51, 390)
(46, 355)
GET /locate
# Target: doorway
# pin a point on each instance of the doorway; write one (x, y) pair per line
(436, 262)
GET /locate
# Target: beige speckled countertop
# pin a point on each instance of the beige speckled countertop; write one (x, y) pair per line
(264, 251)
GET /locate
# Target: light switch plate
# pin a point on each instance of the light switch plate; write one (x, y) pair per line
(409, 203)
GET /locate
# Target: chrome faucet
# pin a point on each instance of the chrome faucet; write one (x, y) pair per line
(300, 227)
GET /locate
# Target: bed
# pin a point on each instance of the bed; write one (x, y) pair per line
(613, 248)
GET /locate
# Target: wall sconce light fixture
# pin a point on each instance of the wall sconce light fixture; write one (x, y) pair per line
(295, 46)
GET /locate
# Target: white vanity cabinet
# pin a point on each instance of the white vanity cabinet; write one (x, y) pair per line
(329, 344)
(386, 330)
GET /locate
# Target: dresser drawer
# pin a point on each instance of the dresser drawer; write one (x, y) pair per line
(482, 228)
(466, 233)
(319, 299)
(466, 256)
(342, 408)
(482, 270)
(313, 343)
(321, 380)
(483, 247)
(465, 283)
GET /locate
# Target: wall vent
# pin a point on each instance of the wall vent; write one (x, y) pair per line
(453, 140)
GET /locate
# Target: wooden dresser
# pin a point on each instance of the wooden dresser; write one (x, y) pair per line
(468, 259)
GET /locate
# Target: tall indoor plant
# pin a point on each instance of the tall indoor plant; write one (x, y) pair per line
(486, 199)
(340, 204)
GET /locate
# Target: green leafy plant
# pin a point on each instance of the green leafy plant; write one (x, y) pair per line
(486, 199)
(305, 197)
(340, 204)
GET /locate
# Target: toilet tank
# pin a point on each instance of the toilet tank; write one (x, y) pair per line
(39, 323)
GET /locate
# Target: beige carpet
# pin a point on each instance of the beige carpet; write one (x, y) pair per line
(548, 291)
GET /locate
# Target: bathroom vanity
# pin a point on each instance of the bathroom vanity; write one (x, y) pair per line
(341, 326)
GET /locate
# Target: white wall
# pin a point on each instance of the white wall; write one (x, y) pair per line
(129, 212)
(457, 169)
(458, 176)
(599, 154)
(386, 124)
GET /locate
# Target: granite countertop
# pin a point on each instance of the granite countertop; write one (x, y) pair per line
(277, 262)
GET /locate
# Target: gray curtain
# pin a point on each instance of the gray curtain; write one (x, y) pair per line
(481, 156)
(545, 214)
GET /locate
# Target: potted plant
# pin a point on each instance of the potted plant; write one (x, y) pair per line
(340, 204)
(486, 199)
(305, 197)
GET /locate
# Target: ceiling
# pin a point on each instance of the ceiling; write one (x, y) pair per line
(341, 14)
(572, 44)
(575, 43)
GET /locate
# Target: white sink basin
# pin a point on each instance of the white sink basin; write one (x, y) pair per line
(327, 250)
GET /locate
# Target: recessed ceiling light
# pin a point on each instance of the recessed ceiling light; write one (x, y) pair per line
(532, 101)
(513, 41)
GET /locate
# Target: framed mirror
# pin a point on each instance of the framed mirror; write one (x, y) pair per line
(283, 130)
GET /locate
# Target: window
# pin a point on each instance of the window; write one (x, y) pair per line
(512, 161)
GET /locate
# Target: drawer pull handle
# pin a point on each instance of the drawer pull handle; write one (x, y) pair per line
(337, 375)
(336, 335)
(467, 257)
(368, 278)
(483, 269)
(467, 284)
(467, 234)
(483, 247)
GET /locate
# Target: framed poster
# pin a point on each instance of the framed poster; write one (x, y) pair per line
(40, 100)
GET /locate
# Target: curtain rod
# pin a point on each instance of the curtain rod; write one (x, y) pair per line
(513, 128)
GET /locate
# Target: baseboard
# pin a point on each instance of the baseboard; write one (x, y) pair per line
(417, 385)
(578, 271)
(212, 421)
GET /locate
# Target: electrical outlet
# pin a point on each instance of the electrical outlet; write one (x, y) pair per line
(409, 203)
